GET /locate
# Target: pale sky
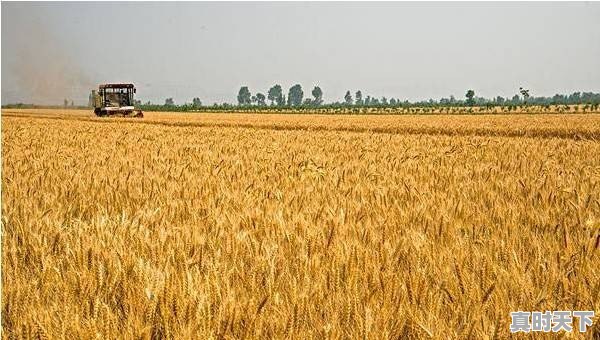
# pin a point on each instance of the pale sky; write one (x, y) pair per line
(404, 50)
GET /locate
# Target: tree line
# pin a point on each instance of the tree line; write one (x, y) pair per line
(275, 95)
(296, 98)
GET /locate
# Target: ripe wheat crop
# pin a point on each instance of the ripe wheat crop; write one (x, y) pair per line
(266, 226)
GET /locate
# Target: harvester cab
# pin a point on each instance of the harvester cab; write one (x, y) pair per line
(115, 100)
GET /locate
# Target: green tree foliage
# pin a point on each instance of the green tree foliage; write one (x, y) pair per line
(295, 95)
(348, 98)
(275, 95)
(169, 102)
(260, 99)
(470, 97)
(516, 100)
(358, 98)
(318, 95)
(525, 94)
(575, 97)
(196, 102)
(244, 96)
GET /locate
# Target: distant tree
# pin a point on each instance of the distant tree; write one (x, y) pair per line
(196, 102)
(525, 94)
(558, 99)
(275, 95)
(587, 97)
(368, 100)
(72, 103)
(260, 99)
(66, 102)
(470, 95)
(244, 96)
(393, 102)
(575, 98)
(384, 101)
(358, 98)
(318, 95)
(169, 102)
(348, 98)
(515, 100)
(295, 95)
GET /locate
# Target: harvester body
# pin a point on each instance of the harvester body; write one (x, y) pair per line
(115, 100)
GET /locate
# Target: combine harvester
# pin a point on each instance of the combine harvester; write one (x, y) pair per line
(115, 100)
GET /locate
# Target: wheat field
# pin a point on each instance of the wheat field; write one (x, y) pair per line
(296, 226)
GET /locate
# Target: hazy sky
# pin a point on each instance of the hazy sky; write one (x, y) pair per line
(405, 50)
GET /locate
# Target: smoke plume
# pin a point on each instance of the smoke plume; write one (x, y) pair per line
(44, 72)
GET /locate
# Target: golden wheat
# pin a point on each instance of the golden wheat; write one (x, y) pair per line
(266, 226)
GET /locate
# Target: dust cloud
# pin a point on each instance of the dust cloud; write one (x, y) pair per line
(44, 73)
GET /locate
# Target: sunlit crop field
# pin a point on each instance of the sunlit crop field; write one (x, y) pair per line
(296, 226)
